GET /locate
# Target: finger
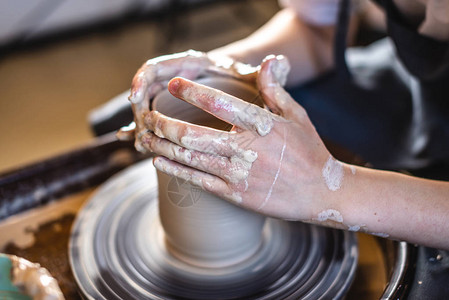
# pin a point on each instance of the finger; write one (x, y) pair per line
(154, 74)
(272, 76)
(188, 64)
(127, 133)
(201, 179)
(192, 136)
(224, 106)
(226, 66)
(213, 164)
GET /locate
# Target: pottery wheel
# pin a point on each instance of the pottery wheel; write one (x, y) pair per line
(117, 251)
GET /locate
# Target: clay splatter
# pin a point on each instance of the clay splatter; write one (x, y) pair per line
(330, 214)
(333, 173)
(353, 170)
(277, 173)
(380, 234)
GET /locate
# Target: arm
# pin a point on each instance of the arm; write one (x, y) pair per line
(295, 178)
(308, 47)
(391, 205)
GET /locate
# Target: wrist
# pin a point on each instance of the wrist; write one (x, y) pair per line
(343, 202)
(328, 191)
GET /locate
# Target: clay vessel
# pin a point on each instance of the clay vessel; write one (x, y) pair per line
(200, 228)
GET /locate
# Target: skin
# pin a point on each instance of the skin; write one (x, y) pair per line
(152, 76)
(290, 130)
(291, 37)
(285, 180)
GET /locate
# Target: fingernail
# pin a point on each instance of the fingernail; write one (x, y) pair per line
(173, 85)
(132, 97)
(269, 57)
(280, 68)
(158, 164)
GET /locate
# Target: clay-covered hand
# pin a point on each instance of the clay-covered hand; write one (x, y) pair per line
(154, 75)
(271, 162)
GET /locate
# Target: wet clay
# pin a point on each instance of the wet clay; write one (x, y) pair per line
(333, 173)
(267, 197)
(200, 228)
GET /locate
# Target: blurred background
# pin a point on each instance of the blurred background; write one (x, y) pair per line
(59, 59)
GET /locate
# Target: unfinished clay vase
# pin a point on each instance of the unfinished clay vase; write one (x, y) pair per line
(200, 228)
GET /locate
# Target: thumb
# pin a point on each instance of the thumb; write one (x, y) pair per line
(272, 76)
(127, 133)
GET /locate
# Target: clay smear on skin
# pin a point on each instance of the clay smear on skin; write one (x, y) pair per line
(353, 170)
(380, 234)
(333, 173)
(354, 228)
(361, 227)
(221, 145)
(330, 214)
(277, 173)
(240, 162)
(334, 215)
(236, 197)
(241, 113)
(146, 83)
(237, 173)
(194, 179)
(235, 169)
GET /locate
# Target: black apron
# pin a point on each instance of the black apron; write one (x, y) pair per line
(389, 103)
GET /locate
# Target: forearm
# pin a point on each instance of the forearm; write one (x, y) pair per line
(308, 48)
(430, 17)
(394, 205)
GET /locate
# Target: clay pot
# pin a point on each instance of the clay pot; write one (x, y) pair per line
(200, 228)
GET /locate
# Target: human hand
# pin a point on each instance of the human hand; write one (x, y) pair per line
(279, 174)
(154, 75)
